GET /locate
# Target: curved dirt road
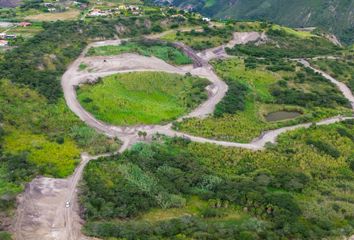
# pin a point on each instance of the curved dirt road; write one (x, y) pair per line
(64, 222)
(104, 66)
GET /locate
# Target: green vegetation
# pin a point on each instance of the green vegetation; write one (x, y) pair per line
(42, 72)
(40, 61)
(272, 85)
(201, 39)
(25, 32)
(163, 51)
(174, 188)
(331, 15)
(341, 69)
(38, 138)
(301, 188)
(142, 98)
(55, 158)
(5, 236)
(82, 66)
(41, 135)
(235, 100)
(26, 113)
(282, 43)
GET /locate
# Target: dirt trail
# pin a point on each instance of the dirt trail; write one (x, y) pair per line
(237, 39)
(42, 213)
(340, 85)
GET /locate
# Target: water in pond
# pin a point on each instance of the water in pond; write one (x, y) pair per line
(281, 115)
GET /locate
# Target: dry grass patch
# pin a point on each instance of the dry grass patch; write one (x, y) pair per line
(68, 15)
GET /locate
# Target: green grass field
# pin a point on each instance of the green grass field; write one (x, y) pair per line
(164, 52)
(142, 98)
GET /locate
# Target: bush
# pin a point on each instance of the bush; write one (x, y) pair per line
(234, 100)
(345, 133)
(324, 147)
(284, 45)
(212, 213)
(350, 160)
(290, 180)
(5, 236)
(321, 94)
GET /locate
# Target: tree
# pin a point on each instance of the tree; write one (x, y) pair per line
(140, 134)
(144, 135)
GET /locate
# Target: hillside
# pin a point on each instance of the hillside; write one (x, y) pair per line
(9, 3)
(336, 16)
(133, 121)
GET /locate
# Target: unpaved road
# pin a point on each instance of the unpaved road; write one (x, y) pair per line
(340, 85)
(237, 39)
(42, 213)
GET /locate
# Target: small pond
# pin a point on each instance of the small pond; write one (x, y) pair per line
(281, 115)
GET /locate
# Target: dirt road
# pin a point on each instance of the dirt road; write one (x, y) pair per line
(237, 39)
(43, 212)
(340, 85)
(103, 66)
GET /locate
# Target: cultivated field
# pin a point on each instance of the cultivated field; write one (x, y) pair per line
(68, 15)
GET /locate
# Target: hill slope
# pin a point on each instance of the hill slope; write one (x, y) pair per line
(336, 16)
(9, 3)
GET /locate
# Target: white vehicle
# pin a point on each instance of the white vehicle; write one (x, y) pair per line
(67, 204)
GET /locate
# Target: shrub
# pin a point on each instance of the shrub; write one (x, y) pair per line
(345, 133)
(234, 100)
(5, 236)
(324, 147)
(212, 213)
(350, 160)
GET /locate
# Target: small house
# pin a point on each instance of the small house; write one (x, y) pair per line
(97, 13)
(133, 8)
(24, 24)
(3, 43)
(48, 4)
(10, 36)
